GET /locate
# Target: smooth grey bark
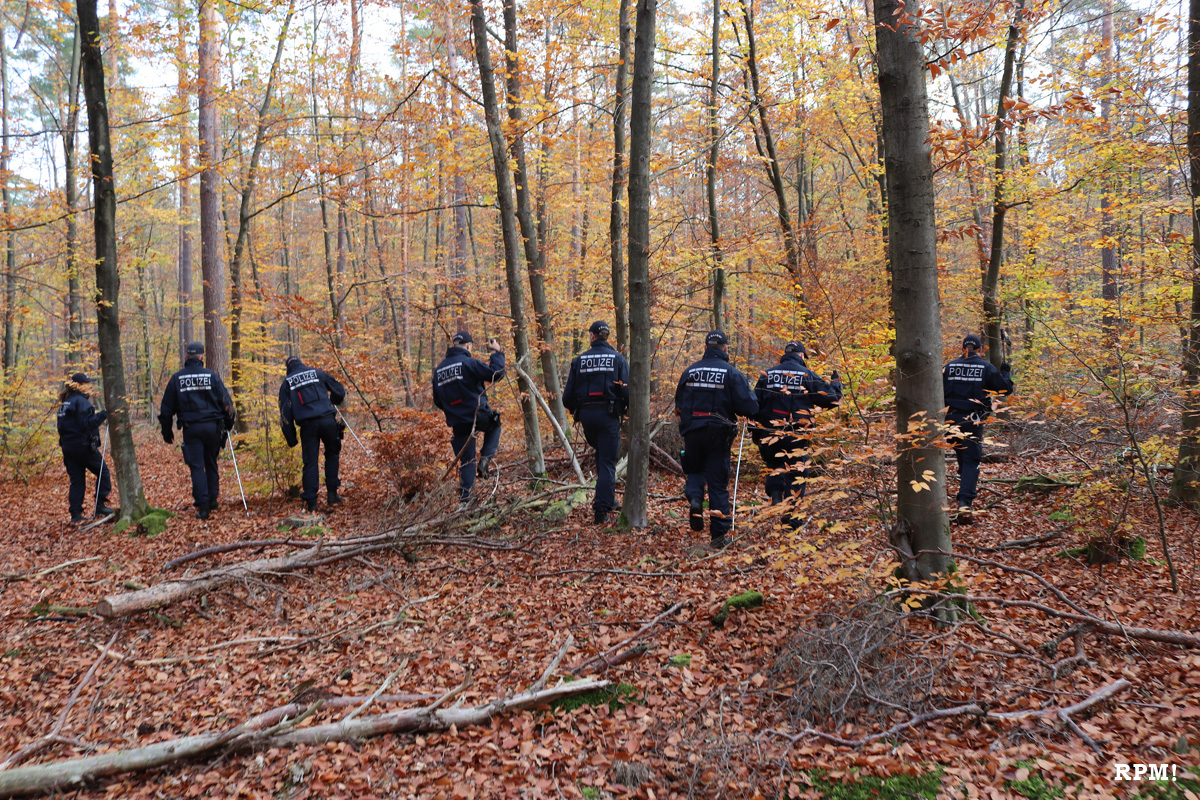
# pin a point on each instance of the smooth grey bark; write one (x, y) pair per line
(641, 341)
(714, 149)
(10, 241)
(912, 253)
(186, 333)
(71, 198)
(619, 181)
(508, 230)
(108, 278)
(212, 246)
(1108, 253)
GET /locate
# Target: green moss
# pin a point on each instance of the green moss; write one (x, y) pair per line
(750, 599)
(870, 787)
(122, 525)
(614, 696)
(1061, 515)
(681, 660)
(315, 531)
(151, 524)
(1136, 549)
(1035, 787)
(1169, 790)
(590, 792)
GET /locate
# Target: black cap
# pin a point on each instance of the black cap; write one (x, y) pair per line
(462, 337)
(795, 347)
(598, 327)
(287, 361)
(716, 337)
(971, 340)
(195, 349)
(80, 377)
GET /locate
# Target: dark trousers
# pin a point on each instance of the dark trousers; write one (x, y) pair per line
(706, 462)
(968, 450)
(314, 433)
(201, 447)
(787, 460)
(462, 439)
(79, 462)
(603, 433)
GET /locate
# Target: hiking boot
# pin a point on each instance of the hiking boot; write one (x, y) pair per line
(776, 497)
(212, 505)
(76, 519)
(482, 468)
(964, 516)
(718, 543)
(202, 512)
(103, 510)
(600, 517)
(310, 505)
(333, 498)
(696, 513)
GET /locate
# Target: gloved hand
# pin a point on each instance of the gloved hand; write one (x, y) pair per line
(494, 345)
(168, 434)
(289, 436)
(100, 417)
(1006, 367)
(224, 435)
(834, 377)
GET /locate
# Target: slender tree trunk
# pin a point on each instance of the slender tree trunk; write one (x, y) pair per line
(641, 342)
(1185, 485)
(10, 237)
(108, 280)
(508, 227)
(1108, 252)
(714, 149)
(534, 245)
(912, 252)
(619, 179)
(212, 248)
(71, 196)
(186, 332)
(991, 279)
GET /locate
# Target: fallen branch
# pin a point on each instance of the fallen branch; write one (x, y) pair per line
(562, 436)
(225, 548)
(601, 660)
(26, 576)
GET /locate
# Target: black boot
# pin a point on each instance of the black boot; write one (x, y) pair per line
(310, 505)
(718, 542)
(481, 468)
(696, 513)
(202, 512)
(600, 517)
(102, 510)
(76, 519)
(212, 505)
(332, 498)
(776, 496)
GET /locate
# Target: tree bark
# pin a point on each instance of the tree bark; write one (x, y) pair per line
(1185, 483)
(71, 198)
(186, 333)
(1109, 267)
(912, 253)
(714, 232)
(641, 342)
(10, 242)
(508, 229)
(619, 180)
(212, 247)
(108, 279)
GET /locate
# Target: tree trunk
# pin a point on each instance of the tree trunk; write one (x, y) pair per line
(71, 196)
(108, 279)
(1110, 321)
(1185, 484)
(641, 342)
(186, 333)
(10, 237)
(212, 248)
(508, 228)
(619, 180)
(912, 252)
(714, 233)
(991, 279)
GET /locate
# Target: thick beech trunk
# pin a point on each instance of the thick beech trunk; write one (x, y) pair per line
(912, 253)
(71, 196)
(186, 332)
(212, 240)
(108, 279)
(714, 149)
(619, 180)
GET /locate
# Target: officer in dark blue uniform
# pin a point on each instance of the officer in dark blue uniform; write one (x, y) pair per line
(968, 384)
(79, 437)
(307, 398)
(460, 391)
(710, 395)
(200, 401)
(787, 393)
(597, 394)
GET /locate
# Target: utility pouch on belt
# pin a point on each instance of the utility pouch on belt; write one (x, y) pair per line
(487, 419)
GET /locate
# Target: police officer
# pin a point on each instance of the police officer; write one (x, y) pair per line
(968, 384)
(460, 391)
(710, 394)
(200, 401)
(597, 394)
(79, 437)
(787, 393)
(307, 397)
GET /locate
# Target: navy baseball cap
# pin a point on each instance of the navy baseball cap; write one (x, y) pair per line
(795, 347)
(80, 377)
(290, 359)
(598, 327)
(716, 337)
(971, 340)
(195, 349)
(462, 337)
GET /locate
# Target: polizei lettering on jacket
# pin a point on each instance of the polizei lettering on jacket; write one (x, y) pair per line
(599, 362)
(785, 380)
(195, 383)
(965, 372)
(299, 379)
(707, 378)
(449, 373)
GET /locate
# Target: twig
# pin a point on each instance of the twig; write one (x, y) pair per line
(24, 576)
(225, 548)
(600, 659)
(627, 572)
(562, 651)
(374, 695)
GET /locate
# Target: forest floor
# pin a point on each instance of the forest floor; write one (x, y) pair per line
(703, 712)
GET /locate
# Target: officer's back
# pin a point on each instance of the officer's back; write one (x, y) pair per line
(788, 392)
(460, 381)
(197, 394)
(969, 382)
(712, 391)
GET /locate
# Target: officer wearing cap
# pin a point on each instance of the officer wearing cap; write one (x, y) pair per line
(197, 397)
(710, 395)
(968, 384)
(460, 391)
(787, 393)
(79, 437)
(307, 397)
(597, 394)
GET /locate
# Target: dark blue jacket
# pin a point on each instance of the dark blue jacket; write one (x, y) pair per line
(460, 383)
(789, 391)
(967, 381)
(306, 393)
(712, 391)
(196, 394)
(598, 375)
(78, 422)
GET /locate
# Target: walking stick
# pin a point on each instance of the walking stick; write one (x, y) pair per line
(736, 475)
(103, 466)
(237, 472)
(346, 422)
